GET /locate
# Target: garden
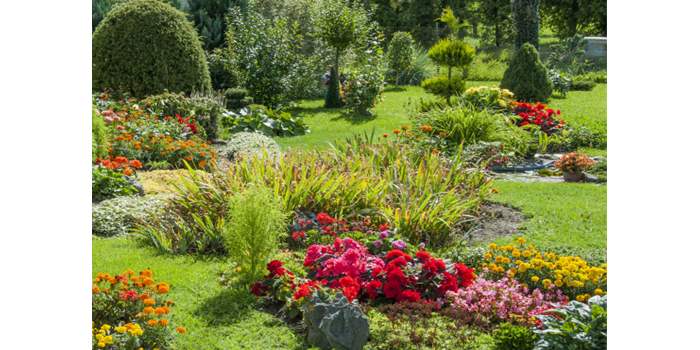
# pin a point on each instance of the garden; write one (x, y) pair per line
(333, 174)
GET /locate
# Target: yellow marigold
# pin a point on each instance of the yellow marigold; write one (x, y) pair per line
(149, 302)
(108, 339)
(546, 283)
(161, 311)
(534, 279)
(152, 322)
(105, 327)
(521, 240)
(120, 329)
(148, 310)
(101, 345)
(163, 288)
(598, 291)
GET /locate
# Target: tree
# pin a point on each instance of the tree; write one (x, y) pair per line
(340, 26)
(452, 53)
(495, 15)
(401, 54)
(526, 76)
(209, 18)
(570, 17)
(526, 20)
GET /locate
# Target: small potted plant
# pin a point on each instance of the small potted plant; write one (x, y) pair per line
(572, 166)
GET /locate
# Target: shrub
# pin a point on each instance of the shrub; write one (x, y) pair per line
(568, 55)
(117, 216)
(206, 110)
(146, 46)
(163, 181)
(223, 71)
(452, 53)
(401, 55)
(237, 98)
(574, 162)
(600, 77)
(255, 223)
(571, 274)
(560, 82)
(538, 117)
(575, 326)
(420, 68)
(99, 136)
(363, 89)
(487, 97)
(526, 76)
(418, 327)
(246, 144)
(444, 86)
(114, 178)
(513, 337)
(582, 85)
(257, 118)
(130, 311)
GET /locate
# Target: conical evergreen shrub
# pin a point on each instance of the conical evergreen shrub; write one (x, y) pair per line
(526, 76)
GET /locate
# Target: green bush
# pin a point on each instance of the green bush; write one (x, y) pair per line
(99, 136)
(258, 118)
(117, 216)
(363, 89)
(582, 85)
(512, 337)
(526, 76)
(237, 98)
(560, 82)
(143, 47)
(108, 184)
(245, 144)
(451, 53)
(417, 327)
(208, 110)
(420, 68)
(254, 226)
(401, 55)
(222, 70)
(575, 326)
(600, 77)
(444, 86)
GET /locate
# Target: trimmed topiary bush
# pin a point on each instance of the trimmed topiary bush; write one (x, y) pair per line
(245, 144)
(582, 85)
(526, 76)
(143, 47)
(401, 54)
(452, 53)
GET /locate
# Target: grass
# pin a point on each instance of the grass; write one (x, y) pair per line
(587, 108)
(328, 125)
(569, 215)
(215, 317)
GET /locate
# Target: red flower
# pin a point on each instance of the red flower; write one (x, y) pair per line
(350, 287)
(258, 289)
(409, 295)
(395, 253)
(423, 256)
(275, 268)
(128, 295)
(391, 289)
(449, 283)
(324, 219)
(383, 227)
(465, 274)
(298, 235)
(372, 287)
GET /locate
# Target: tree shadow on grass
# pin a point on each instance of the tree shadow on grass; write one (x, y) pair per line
(227, 307)
(395, 88)
(355, 118)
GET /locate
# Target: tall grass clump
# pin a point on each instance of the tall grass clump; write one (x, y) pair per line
(254, 226)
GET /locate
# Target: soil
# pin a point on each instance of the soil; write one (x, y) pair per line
(497, 220)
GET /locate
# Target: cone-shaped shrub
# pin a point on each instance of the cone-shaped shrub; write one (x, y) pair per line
(146, 46)
(526, 76)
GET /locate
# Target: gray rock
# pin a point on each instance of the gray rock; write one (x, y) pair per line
(335, 324)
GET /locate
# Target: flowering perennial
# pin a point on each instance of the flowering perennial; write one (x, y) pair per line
(538, 114)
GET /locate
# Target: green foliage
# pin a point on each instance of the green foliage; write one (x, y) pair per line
(576, 326)
(495, 17)
(245, 144)
(209, 19)
(223, 71)
(264, 50)
(100, 8)
(254, 226)
(526, 19)
(489, 65)
(568, 55)
(486, 97)
(257, 118)
(420, 68)
(512, 337)
(363, 89)
(582, 85)
(117, 216)
(207, 110)
(570, 17)
(334, 323)
(600, 77)
(560, 82)
(526, 76)
(108, 184)
(146, 46)
(237, 98)
(340, 26)
(452, 53)
(100, 144)
(416, 327)
(401, 55)
(443, 86)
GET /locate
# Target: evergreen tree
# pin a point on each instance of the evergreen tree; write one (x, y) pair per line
(526, 20)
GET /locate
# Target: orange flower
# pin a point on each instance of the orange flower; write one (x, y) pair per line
(148, 310)
(120, 159)
(128, 171)
(181, 330)
(163, 322)
(95, 289)
(163, 288)
(152, 322)
(202, 163)
(137, 165)
(147, 273)
(397, 131)
(149, 302)
(143, 296)
(426, 128)
(161, 311)
(385, 135)
(147, 281)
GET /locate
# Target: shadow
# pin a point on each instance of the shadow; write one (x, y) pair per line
(354, 118)
(558, 97)
(229, 306)
(311, 111)
(395, 88)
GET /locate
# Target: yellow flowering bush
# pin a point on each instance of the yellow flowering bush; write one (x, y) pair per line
(524, 262)
(488, 97)
(132, 312)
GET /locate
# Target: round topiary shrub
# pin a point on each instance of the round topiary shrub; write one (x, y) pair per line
(143, 47)
(245, 144)
(526, 76)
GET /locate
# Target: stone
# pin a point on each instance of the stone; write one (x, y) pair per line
(335, 323)
(596, 47)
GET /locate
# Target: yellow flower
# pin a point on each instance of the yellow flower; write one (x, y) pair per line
(521, 240)
(581, 297)
(558, 283)
(598, 291)
(120, 329)
(546, 283)
(108, 339)
(101, 345)
(105, 327)
(534, 279)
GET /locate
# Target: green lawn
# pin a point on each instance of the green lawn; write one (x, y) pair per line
(216, 318)
(586, 108)
(560, 214)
